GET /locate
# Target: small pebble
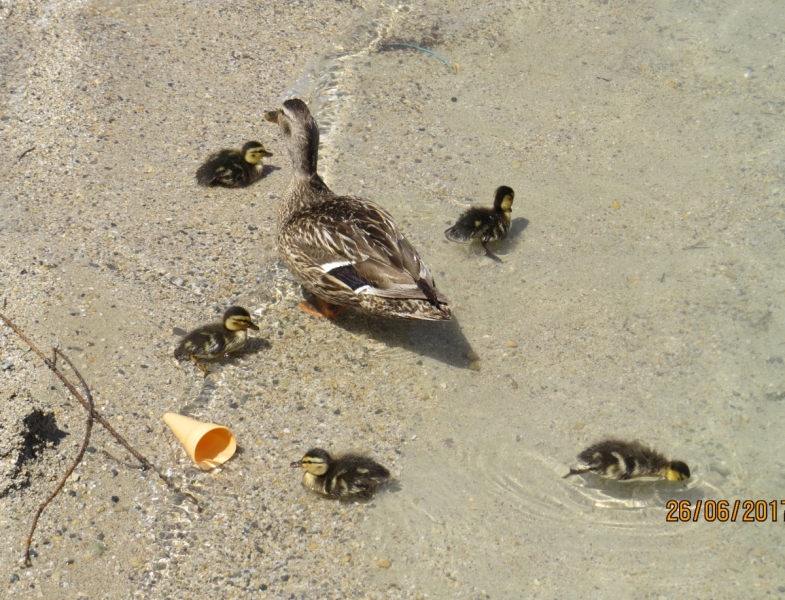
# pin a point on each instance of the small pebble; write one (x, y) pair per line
(475, 365)
(384, 564)
(96, 549)
(472, 356)
(516, 164)
(615, 205)
(7, 366)
(345, 558)
(511, 344)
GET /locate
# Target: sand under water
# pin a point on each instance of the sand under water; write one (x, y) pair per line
(639, 296)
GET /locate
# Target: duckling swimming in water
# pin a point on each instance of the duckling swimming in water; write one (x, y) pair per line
(214, 340)
(233, 168)
(341, 476)
(485, 224)
(616, 459)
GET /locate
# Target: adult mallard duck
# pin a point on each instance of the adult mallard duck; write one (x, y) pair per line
(340, 476)
(233, 168)
(217, 339)
(346, 251)
(485, 224)
(616, 459)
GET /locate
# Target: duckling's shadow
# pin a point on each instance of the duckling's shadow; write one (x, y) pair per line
(393, 487)
(443, 341)
(517, 227)
(253, 346)
(268, 169)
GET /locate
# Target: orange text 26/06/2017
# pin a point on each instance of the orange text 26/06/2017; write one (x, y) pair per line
(744, 511)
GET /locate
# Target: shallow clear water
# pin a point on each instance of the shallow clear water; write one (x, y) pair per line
(639, 295)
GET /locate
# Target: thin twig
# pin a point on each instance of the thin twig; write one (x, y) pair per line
(77, 460)
(145, 463)
(51, 363)
(696, 246)
(25, 153)
(117, 460)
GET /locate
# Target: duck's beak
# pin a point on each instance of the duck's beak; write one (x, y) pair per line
(295, 464)
(271, 116)
(267, 154)
(253, 326)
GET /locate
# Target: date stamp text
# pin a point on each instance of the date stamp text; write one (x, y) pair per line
(744, 511)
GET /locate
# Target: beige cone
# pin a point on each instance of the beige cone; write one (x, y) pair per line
(207, 444)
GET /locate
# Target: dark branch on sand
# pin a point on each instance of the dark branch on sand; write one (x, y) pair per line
(77, 460)
(92, 415)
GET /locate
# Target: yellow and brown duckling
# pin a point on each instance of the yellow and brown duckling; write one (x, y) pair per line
(233, 168)
(340, 476)
(346, 251)
(217, 339)
(485, 224)
(616, 459)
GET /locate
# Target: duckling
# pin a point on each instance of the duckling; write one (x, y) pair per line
(214, 340)
(341, 476)
(616, 459)
(485, 224)
(233, 168)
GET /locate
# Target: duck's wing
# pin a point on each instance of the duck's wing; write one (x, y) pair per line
(357, 243)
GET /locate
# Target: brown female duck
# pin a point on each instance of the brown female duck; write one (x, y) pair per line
(346, 251)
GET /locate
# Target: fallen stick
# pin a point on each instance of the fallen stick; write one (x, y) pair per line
(77, 460)
(93, 415)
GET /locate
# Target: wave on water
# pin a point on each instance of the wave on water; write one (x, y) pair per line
(326, 85)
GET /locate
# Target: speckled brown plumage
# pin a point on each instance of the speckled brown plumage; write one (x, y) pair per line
(346, 250)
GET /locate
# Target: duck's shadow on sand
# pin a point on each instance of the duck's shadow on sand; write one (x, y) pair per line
(443, 341)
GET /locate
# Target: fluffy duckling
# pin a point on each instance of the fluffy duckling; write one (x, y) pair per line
(233, 168)
(342, 476)
(485, 224)
(214, 340)
(616, 459)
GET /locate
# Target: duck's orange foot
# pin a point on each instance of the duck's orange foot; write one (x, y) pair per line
(321, 308)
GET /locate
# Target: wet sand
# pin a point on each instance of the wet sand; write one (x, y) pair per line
(107, 244)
